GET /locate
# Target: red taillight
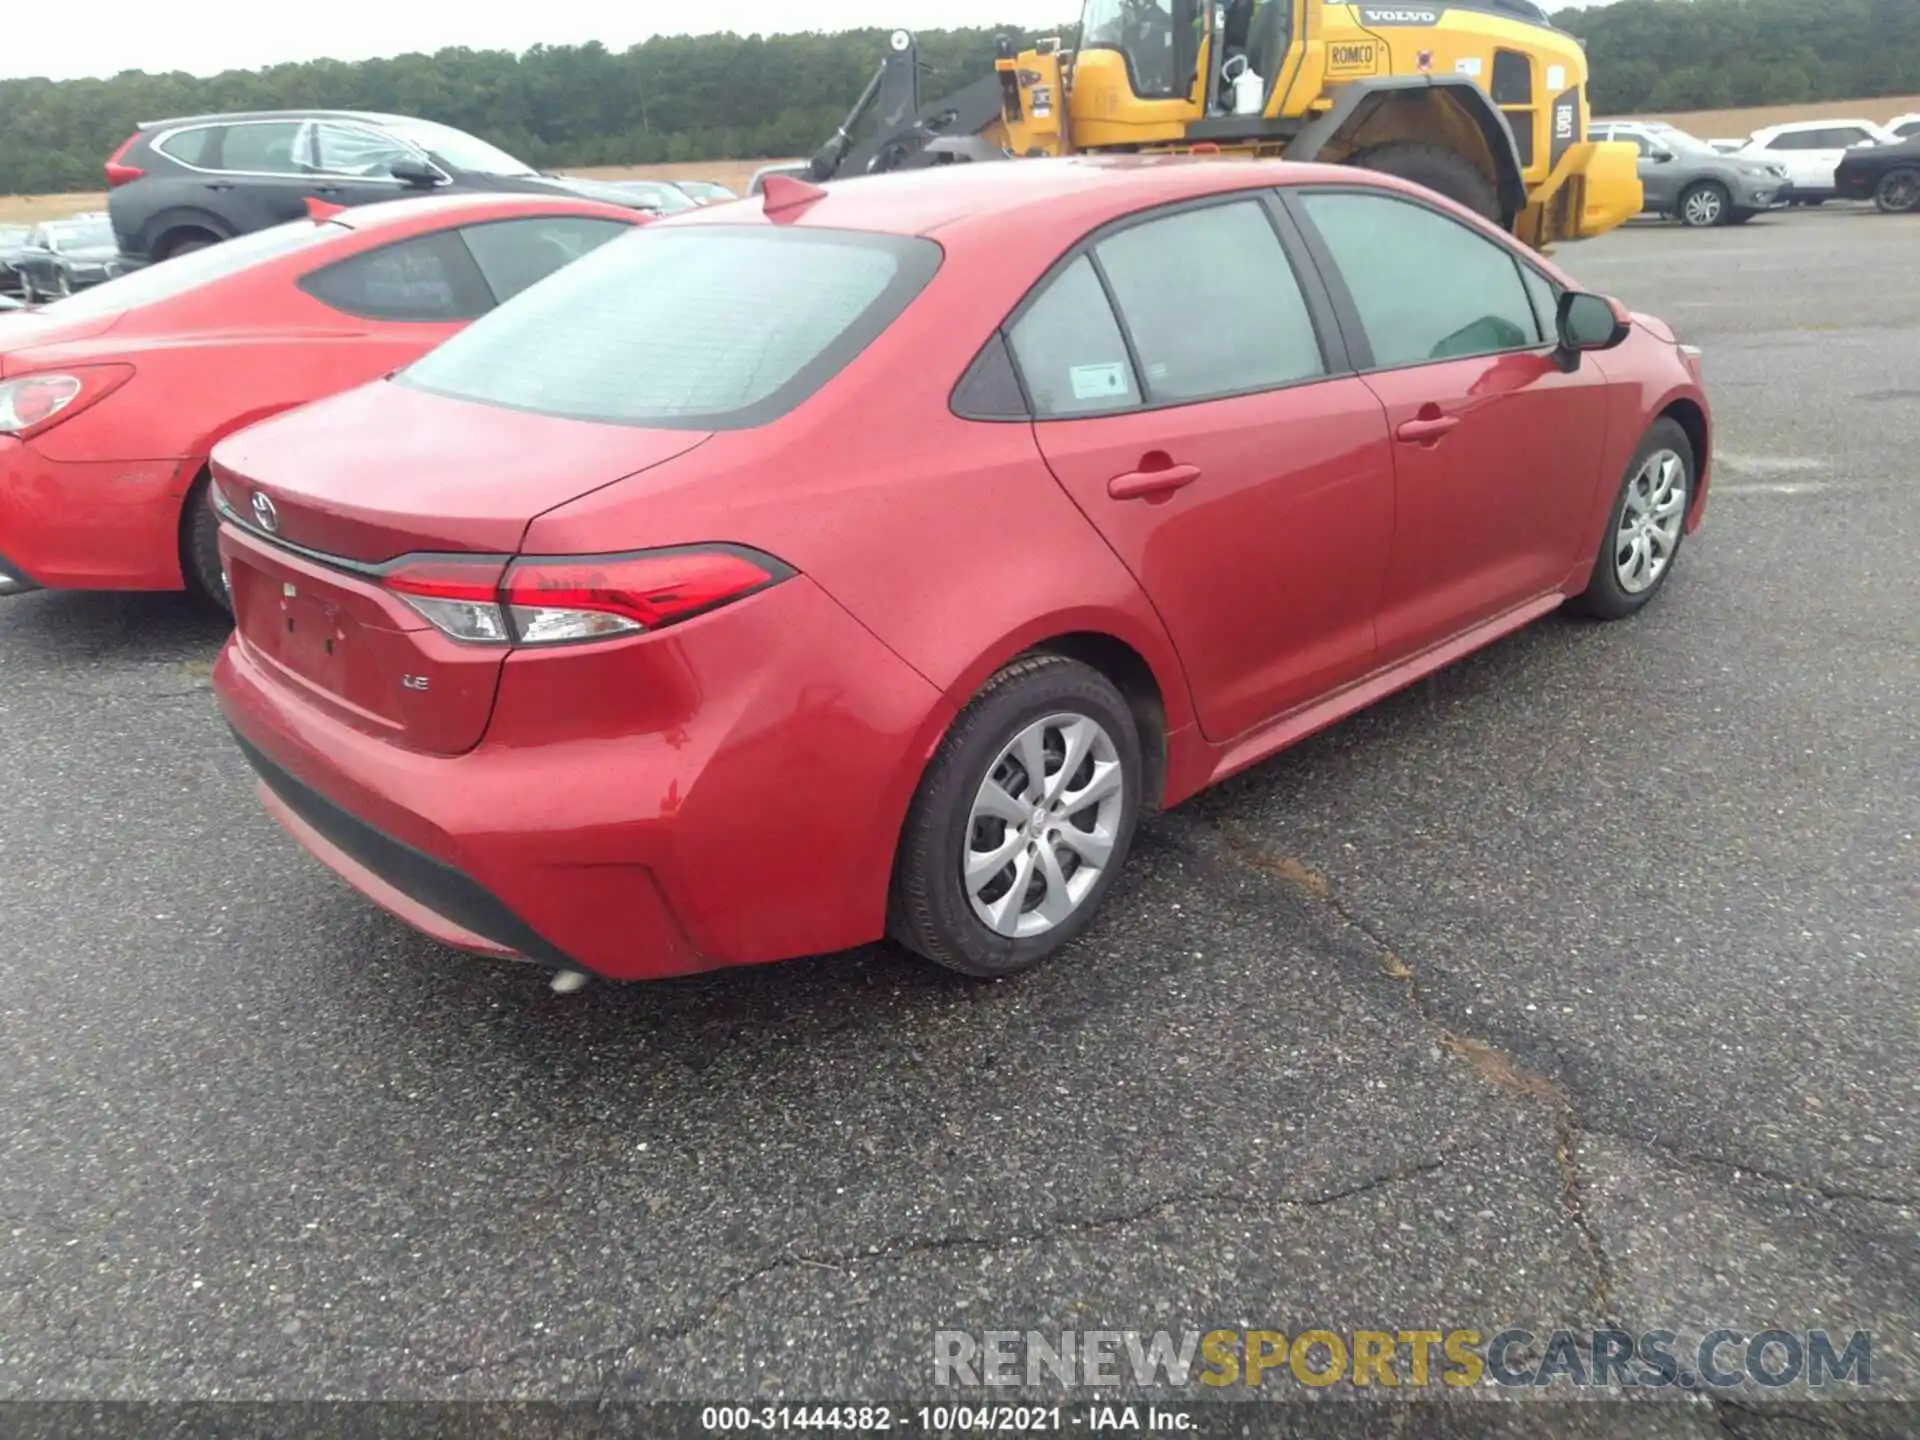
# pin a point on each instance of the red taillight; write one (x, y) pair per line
(30, 404)
(460, 597)
(557, 600)
(119, 173)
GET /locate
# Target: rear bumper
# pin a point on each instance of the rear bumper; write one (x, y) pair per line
(612, 820)
(91, 525)
(14, 579)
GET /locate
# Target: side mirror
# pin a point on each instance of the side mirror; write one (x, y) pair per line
(1660, 157)
(1590, 322)
(414, 171)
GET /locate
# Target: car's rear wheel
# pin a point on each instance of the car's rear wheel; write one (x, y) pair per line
(1646, 526)
(1439, 169)
(1703, 205)
(200, 548)
(1021, 822)
(185, 242)
(1898, 192)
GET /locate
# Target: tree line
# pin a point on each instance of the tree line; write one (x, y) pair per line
(731, 96)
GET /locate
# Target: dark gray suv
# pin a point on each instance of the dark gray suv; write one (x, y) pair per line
(177, 185)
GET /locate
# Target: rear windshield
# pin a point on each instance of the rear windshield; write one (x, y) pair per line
(168, 278)
(702, 328)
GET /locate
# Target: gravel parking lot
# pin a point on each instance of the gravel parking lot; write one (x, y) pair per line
(1578, 985)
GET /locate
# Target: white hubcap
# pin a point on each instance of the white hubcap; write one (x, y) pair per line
(1650, 521)
(1043, 825)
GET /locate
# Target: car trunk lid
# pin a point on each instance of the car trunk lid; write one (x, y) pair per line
(323, 503)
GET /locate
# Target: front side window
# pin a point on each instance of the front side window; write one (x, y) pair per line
(264, 148)
(514, 254)
(692, 329)
(428, 278)
(1147, 33)
(1068, 346)
(1426, 287)
(354, 151)
(1211, 303)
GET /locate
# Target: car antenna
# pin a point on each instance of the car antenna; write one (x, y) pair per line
(782, 196)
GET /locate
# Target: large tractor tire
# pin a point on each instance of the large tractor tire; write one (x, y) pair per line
(1444, 171)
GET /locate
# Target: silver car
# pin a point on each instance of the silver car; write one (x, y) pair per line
(1697, 185)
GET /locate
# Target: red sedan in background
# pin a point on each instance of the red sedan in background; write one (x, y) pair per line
(110, 401)
(866, 561)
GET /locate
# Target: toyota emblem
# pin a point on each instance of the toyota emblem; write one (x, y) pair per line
(264, 515)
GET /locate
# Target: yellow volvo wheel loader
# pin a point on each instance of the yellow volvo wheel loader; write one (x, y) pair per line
(1481, 100)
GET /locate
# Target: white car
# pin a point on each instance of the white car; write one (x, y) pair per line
(1907, 127)
(1811, 151)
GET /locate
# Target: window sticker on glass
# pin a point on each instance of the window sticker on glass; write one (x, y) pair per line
(1097, 382)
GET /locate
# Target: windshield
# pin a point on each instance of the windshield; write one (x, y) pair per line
(1144, 32)
(689, 329)
(666, 198)
(459, 149)
(14, 234)
(1681, 143)
(192, 270)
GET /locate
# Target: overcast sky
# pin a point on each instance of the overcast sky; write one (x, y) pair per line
(104, 37)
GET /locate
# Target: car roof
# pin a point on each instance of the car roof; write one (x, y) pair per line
(1059, 195)
(1788, 126)
(478, 205)
(234, 116)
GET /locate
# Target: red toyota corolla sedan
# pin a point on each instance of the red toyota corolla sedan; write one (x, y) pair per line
(863, 562)
(110, 401)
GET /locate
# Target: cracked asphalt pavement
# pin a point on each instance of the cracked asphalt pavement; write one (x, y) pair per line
(1579, 985)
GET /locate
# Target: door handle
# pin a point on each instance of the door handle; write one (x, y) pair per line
(1426, 429)
(219, 184)
(1152, 484)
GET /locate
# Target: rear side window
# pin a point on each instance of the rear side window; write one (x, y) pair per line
(513, 254)
(263, 148)
(427, 278)
(1426, 287)
(701, 328)
(1070, 351)
(1211, 303)
(198, 147)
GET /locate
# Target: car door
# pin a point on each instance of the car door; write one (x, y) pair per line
(1193, 398)
(1659, 172)
(1496, 445)
(1839, 140)
(351, 163)
(37, 260)
(263, 175)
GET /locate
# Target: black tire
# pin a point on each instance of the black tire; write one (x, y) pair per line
(1605, 598)
(929, 911)
(185, 242)
(1703, 205)
(1898, 192)
(200, 548)
(1439, 169)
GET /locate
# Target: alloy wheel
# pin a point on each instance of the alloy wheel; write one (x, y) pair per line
(1650, 521)
(1703, 207)
(1900, 192)
(1043, 825)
